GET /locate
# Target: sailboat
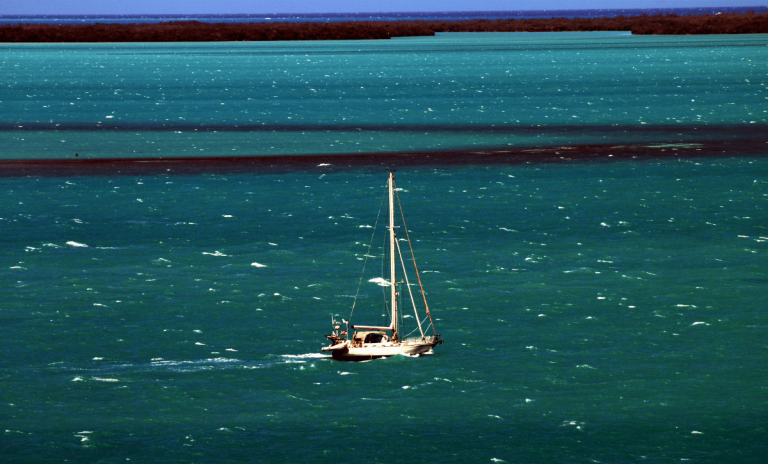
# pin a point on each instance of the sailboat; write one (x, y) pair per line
(370, 341)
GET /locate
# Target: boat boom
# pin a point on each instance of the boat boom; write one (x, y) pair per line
(371, 327)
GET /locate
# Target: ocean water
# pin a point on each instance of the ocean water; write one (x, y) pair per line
(600, 286)
(453, 92)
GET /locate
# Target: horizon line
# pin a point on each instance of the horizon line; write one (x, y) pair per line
(2, 15)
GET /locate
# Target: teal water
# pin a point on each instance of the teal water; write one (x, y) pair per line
(609, 311)
(604, 309)
(450, 92)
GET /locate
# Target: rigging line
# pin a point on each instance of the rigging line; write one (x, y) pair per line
(367, 253)
(414, 330)
(421, 288)
(410, 293)
(387, 315)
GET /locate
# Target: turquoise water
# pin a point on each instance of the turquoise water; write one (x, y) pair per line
(445, 93)
(594, 308)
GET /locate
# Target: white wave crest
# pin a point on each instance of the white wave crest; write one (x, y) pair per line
(216, 253)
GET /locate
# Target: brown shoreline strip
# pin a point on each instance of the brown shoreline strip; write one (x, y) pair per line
(84, 166)
(196, 31)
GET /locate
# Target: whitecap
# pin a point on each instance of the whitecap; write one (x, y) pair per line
(216, 253)
(100, 379)
(580, 270)
(380, 281)
(258, 265)
(74, 244)
(586, 366)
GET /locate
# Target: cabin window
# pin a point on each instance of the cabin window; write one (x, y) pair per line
(373, 338)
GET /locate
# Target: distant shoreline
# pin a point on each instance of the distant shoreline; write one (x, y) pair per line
(196, 31)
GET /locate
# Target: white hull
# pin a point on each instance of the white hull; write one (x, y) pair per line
(346, 351)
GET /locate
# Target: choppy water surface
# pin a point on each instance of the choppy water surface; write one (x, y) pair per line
(603, 310)
(610, 311)
(450, 92)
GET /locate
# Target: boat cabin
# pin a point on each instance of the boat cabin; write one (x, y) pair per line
(369, 337)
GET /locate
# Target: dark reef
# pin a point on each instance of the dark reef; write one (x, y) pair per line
(195, 31)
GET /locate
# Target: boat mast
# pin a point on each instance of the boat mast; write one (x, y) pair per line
(392, 238)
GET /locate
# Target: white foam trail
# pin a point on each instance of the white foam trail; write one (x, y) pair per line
(306, 356)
